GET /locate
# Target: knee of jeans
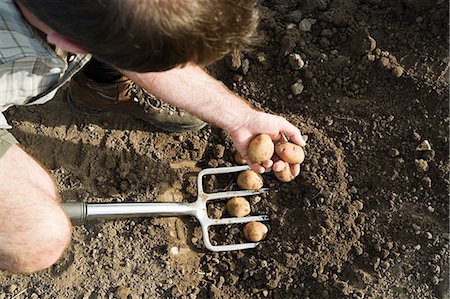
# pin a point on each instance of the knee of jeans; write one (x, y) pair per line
(43, 242)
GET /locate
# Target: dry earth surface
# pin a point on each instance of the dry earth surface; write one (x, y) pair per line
(365, 80)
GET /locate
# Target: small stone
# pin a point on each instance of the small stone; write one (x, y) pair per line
(12, 288)
(421, 165)
(327, 33)
(233, 279)
(124, 185)
(376, 262)
(429, 235)
(113, 192)
(294, 16)
(245, 66)
(296, 61)
(362, 43)
(417, 247)
(416, 227)
(262, 58)
(426, 182)
(435, 280)
(174, 250)
(371, 57)
(297, 88)
(123, 292)
(305, 25)
(385, 62)
(220, 283)
(424, 146)
(397, 71)
(393, 152)
(234, 60)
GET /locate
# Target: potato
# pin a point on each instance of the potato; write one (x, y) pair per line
(255, 231)
(290, 152)
(238, 207)
(286, 174)
(250, 180)
(261, 148)
(238, 159)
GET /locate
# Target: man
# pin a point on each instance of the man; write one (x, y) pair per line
(159, 45)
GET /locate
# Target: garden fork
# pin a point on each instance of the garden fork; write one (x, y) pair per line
(81, 211)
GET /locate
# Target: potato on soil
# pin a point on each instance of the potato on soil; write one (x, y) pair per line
(250, 180)
(261, 148)
(290, 152)
(238, 207)
(255, 231)
(286, 174)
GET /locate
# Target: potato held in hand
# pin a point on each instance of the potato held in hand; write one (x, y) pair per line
(238, 207)
(250, 180)
(261, 149)
(290, 152)
(286, 174)
(255, 231)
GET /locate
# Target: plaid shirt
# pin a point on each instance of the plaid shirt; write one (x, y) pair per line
(30, 70)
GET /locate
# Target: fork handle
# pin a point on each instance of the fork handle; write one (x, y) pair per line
(81, 211)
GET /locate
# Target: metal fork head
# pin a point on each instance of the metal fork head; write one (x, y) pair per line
(202, 213)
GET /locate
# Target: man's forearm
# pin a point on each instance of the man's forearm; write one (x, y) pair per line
(192, 89)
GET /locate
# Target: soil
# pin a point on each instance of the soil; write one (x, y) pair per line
(368, 217)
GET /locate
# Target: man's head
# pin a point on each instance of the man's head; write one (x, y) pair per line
(150, 35)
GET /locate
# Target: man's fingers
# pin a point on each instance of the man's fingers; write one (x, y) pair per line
(293, 134)
(295, 169)
(267, 164)
(258, 168)
(278, 166)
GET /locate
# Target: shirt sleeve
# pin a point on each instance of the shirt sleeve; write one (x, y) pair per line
(3, 122)
(23, 79)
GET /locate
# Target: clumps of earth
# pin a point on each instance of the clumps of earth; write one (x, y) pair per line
(365, 81)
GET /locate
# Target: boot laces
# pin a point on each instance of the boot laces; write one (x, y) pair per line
(149, 101)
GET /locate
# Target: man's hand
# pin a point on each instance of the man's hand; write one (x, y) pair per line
(192, 89)
(276, 127)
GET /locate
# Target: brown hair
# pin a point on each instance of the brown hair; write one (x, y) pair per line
(152, 35)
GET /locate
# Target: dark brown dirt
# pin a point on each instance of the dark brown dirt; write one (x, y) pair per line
(367, 217)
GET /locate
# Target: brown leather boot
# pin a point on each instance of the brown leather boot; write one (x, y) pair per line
(90, 97)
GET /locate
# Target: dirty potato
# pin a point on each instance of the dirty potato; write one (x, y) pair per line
(238, 207)
(261, 149)
(290, 152)
(255, 231)
(250, 180)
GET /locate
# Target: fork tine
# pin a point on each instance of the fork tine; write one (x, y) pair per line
(228, 194)
(232, 247)
(225, 221)
(221, 170)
